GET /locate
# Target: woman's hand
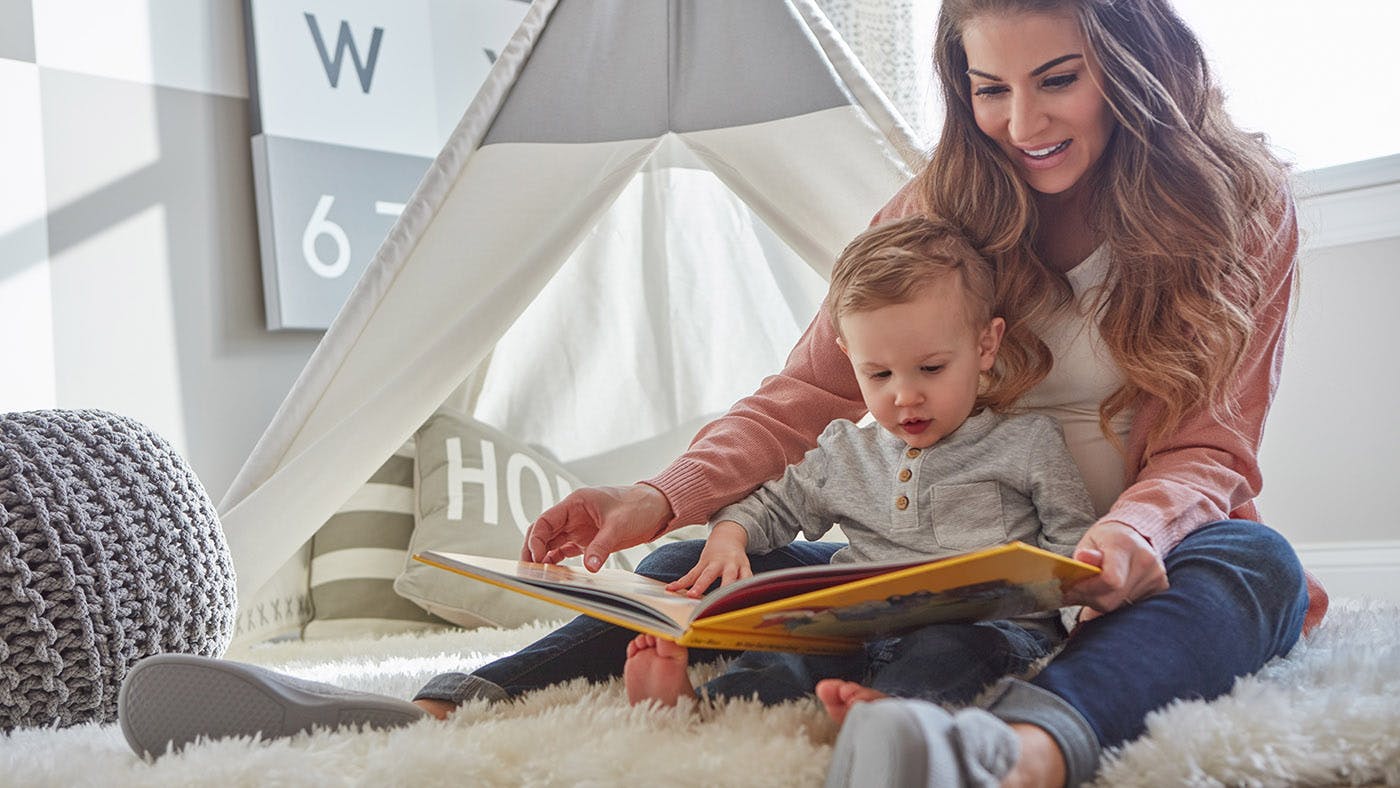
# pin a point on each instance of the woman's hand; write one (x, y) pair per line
(1131, 569)
(723, 558)
(595, 522)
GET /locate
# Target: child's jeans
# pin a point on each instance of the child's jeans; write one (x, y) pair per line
(948, 663)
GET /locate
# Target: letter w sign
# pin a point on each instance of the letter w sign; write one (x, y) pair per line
(345, 41)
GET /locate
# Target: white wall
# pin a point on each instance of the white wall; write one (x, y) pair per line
(1332, 447)
(129, 267)
(1333, 440)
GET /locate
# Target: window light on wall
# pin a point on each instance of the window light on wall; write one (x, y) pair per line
(1319, 78)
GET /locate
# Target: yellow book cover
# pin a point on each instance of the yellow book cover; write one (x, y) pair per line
(813, 609)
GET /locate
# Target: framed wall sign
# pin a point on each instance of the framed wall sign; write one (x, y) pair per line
(351, 100)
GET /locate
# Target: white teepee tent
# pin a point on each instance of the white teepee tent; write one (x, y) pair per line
(630, 226)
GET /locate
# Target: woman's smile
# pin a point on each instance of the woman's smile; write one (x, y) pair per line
(1046, 157)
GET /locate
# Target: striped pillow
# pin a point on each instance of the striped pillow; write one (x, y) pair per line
(357, 554)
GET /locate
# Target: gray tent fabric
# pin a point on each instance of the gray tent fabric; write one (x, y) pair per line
(110, 551)
(724, 63)
(737, 63)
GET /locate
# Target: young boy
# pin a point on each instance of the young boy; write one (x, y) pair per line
(940, 472)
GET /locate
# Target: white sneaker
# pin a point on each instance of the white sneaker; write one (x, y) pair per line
(911, 743)
(170, 700)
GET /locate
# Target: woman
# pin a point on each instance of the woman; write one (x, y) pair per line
(1149, 243)
(1145, 250)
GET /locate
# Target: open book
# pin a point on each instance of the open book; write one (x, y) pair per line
(813, 609)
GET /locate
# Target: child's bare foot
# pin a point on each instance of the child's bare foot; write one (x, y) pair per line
(438, 708)
(839, 696)
(655, 670)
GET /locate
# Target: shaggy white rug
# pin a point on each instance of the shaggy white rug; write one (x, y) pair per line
(1328, 714)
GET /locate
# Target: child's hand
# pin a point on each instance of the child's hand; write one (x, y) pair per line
(722, 559)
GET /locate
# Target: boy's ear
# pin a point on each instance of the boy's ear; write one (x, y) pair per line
(990, 342)
(841, 343)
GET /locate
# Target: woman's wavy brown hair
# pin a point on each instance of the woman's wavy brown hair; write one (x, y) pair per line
(1184, 197)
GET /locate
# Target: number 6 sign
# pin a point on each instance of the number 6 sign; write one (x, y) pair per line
(321, 226)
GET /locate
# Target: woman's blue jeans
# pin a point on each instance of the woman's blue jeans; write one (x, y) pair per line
(1237, 599)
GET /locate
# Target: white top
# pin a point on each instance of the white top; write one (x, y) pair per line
(1083, 375)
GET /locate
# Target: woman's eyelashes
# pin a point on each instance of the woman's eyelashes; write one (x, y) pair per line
(1053, 82)
(1059, 81)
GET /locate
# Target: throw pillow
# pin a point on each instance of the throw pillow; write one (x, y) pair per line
(357, 554)
(478, 490)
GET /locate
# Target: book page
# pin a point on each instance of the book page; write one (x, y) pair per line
(784, 583)
(607, 587)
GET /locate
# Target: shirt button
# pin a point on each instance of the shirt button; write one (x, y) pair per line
(912, 453)
(901, 503)
(904, 474)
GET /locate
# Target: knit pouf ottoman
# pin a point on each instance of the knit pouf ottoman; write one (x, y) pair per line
(110, 551)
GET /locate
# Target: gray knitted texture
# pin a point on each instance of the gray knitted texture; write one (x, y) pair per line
(110, 551)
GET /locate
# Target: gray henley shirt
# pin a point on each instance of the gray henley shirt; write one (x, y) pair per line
(995, 479)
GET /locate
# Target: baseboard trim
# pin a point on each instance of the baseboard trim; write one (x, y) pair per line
(1355, 569)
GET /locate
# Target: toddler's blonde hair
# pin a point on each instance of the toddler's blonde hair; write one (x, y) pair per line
(895, 262)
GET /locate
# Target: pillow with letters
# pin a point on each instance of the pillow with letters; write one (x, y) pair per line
(477, 491)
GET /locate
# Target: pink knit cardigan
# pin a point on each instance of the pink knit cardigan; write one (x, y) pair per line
(1207, 471)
